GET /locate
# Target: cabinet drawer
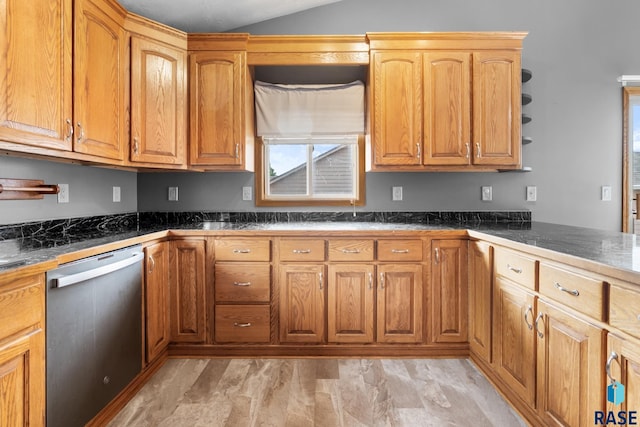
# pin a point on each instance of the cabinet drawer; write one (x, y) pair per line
(579, 292)
(242, 282)
(242, 250)
(624, 310)
(301, 250)
(400, 250)
(242, 323)
(516, 267)
(350, 250)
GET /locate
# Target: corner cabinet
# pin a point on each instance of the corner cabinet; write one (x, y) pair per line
(445, 101)
(221, 104)
(158, 103)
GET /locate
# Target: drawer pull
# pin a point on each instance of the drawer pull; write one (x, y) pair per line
(526, 317)
(514, 269)
(399, 251)
(321, 279)
(540, 333)
(242, 251)
(370, 281)
(613, 356)
(351, 251)
(573, 292)
(242, 325)
(381, 280)
(437, 255)
(301, 251)
(241, 283)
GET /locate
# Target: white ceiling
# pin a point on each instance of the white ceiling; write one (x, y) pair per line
(211, 16)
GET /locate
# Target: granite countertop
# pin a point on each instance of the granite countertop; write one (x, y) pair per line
(612, 249)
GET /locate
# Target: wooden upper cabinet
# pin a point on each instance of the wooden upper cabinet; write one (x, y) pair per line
(396, 114)
(100, 80)
(221, 111)
(447, 108)
(497, 108)
(158, 103)
(35, 74)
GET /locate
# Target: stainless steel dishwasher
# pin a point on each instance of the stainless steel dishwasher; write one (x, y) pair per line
(93, 333)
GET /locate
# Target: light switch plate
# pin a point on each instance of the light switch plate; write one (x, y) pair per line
(63, 194)
(116, 194)
(173, 194)
(487, 193)
(396, 194)
(532, 193)
(246, 193)
(606, 193)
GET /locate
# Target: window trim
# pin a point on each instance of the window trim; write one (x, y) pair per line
(263, 200)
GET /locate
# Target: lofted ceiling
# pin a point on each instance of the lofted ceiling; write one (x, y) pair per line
(212, 16)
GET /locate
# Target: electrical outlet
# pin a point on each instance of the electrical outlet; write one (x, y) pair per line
(606, 193)
(532, 193)
(396, 194)
(116, 194)
(173, 194)
(246, 193)
(63, 194)
(487, 193)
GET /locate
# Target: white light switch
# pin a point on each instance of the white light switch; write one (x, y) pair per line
(487, 193)
(116, 194)
(63, 194)
(173, 194)
(396, 194)
(606, 193)
(532, 193)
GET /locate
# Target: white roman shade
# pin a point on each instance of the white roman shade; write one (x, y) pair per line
(309, 110)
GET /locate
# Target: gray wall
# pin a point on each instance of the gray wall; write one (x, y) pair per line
(575, 48)
(90, 191)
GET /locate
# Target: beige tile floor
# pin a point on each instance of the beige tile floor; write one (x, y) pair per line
(317, 392)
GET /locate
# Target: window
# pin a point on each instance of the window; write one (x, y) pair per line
(310, 171)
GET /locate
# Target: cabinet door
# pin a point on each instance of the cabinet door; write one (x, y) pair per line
(496, 108)
(569, 368)
(158, 103)
(399, 303)
(480, 299)
(35, 73)
(625, 369)
(156, 299)
(449, 291)
(302, 292)
(188, 305)
(447, 108)
(350, 303)
(100, 76)
(217, 108)
(397, 108)
(22, 351)
(514, 339)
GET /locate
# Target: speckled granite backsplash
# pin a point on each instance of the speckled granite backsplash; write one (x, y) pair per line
(62, 231)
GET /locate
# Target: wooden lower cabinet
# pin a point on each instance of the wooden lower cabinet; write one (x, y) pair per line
(188, 301)
(399, 303)
(22, 351)
(570, 381)
(623, 362)
(350, 295)
(302, 303)
(480, 299)
(514, 357)
(156, 291)
(449, 291)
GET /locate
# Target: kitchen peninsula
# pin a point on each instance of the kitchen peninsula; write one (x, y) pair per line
(542, 309)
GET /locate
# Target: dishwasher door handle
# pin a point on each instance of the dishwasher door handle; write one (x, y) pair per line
(72, 279)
